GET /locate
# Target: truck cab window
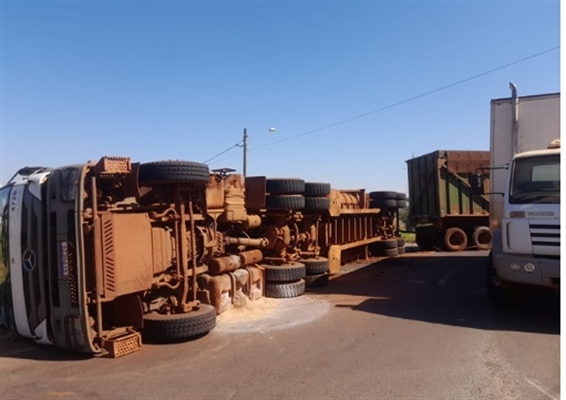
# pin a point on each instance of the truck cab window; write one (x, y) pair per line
(536, 179)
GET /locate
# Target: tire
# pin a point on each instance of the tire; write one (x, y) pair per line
(179, 326)
(285, 273)
(286, 201)
(401, 246)
(383, 203)
(481, 238)
(316, 266)
(284, 186)
(401, 203)
(383, 195)
(455, 239)
(316, 189)
(318, 280)
(162, 172)
(317, 203)
(285, 290)
(385, 244)
(385, 252)
(401, 196)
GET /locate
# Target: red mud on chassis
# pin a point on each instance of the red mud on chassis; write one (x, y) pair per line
(124, 256)
(124, 248)
(161, 253)
(161, 248)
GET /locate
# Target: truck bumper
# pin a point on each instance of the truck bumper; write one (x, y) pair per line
(546, 271)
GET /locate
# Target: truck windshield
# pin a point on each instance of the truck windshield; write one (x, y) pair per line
(536, 180)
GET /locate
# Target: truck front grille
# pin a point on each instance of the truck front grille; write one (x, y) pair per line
(545, 239)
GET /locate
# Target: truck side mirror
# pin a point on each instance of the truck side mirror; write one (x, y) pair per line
(476, 184)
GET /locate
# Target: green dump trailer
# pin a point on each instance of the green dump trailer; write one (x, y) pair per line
(442, 208)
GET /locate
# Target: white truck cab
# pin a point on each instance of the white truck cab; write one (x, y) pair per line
(528, 243)
(524, 194)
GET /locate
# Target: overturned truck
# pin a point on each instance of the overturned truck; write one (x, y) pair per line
(96, 255)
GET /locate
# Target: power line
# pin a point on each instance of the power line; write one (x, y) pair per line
(419, 96)
(222, 152)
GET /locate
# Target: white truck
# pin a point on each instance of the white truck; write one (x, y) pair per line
(524, 194)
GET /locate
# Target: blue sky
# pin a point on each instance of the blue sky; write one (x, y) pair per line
(181, 80)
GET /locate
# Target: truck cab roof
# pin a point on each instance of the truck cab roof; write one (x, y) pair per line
(534, 153)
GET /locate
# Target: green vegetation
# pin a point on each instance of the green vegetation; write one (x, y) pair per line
(408, 236)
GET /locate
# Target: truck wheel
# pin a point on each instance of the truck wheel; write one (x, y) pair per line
(179, 326)
(455, 239)
(481, 238)
(285, 273)
(401, 245)
(385, 252)
(285, 201)
(316, 189)
(315, 266)
(385, 244)
(383, 203)
(401, 196)
(284, 185)
(160, 172)
(383, 195)
(285, 290)
(401, 203)
(317, 203)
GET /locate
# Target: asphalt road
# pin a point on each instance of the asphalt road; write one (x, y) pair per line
(414, 327)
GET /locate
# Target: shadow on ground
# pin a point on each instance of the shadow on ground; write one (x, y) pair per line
(442, 288)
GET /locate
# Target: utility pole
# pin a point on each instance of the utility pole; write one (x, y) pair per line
(245, 146)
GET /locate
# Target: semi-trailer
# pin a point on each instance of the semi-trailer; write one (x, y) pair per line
(442, 207)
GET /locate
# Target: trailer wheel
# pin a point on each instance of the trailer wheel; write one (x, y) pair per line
(383, 195)
(285, 273)
(481, 238)
(318, 280)
(401, 245)
(385, 244)
(315, 266)
(385, 252)
(160, 172)
(179, 326)
(285, 290)
(316, 189)
(383, 203)
(317, 203)
(285, 201)
(284, 185)
(455, 239)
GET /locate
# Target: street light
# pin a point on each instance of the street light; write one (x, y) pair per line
(245, 146)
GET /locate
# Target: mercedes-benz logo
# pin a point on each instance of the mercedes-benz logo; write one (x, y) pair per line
(28, 260)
